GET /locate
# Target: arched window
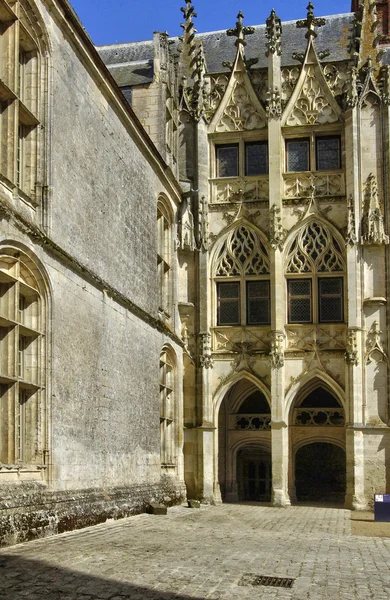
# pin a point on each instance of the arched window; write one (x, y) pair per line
(164, 258)
(167, 410)
(315, 277)
(22, 361)
(242, 278)
(22, 71)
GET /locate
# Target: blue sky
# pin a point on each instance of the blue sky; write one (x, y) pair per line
(111, 21)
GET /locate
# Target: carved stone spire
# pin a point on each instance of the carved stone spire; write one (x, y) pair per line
(310, 22)
(273, 34)
(373, 229)
(189, 33)
(240, 31)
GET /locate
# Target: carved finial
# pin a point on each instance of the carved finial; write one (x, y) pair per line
(310, 22)
(188, 26)
(240, 31)
(273, 34)
(373, 223)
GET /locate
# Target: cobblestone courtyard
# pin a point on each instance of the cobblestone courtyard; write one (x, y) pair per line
(203, 553)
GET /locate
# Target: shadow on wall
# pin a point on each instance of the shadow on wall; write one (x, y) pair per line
(38, 580)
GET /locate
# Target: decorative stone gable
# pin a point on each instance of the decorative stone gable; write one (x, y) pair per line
(240, 108)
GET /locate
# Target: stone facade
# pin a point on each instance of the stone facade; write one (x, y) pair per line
(194, 272)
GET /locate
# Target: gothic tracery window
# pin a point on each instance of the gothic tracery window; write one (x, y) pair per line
(315, 282)
(242, 275)
(22, 361)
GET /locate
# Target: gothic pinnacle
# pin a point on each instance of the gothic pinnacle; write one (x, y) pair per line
(310, 22)
(240, 30)
(273, 34)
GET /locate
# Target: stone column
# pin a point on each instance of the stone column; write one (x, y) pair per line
(279, 430)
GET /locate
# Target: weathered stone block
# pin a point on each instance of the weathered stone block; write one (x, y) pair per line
(156, 509)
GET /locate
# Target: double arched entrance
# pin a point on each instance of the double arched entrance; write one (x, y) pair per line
(316, 445)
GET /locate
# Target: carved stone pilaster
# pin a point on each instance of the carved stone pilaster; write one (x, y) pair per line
(373, 229)
(276, 234)
(205, 358)
(351, 354)
(273, 104)
(273, 34)
(276, 356)
(350, 238)
(374, 344)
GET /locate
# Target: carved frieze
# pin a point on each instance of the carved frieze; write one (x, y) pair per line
(307, 337)
(226, 339)
(325, 184)
(250, 188)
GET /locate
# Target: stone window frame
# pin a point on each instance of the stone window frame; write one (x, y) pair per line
(23, 369)
(164, 258)
(168, 410)
(312, 138)
(23, 67)
(241, 143)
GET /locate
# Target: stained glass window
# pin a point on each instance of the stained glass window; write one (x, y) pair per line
(256, 158)
(297, 155)
(328, 153)
(227, 161)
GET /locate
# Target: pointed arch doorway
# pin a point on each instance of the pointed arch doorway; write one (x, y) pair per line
(244, 440)
(317, 437)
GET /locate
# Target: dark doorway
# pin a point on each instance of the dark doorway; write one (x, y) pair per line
(320, 472)
(254, 476)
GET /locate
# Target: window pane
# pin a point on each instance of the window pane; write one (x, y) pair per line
(298, 155)
(227, 161)
(299, 301)
(228, 303)
(258, 303)
(330, 292)
(256, 158)
(328, 153)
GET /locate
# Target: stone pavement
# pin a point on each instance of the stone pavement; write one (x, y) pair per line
(203, 553)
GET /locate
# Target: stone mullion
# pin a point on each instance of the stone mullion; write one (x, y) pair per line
(354, 363)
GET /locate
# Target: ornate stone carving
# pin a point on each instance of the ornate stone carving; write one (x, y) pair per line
(240, 113)
(311, 22)
(352, 89)
(373, 229)
(374, 344)
(325, 184)
(205, 358)
(257, 422)
(314, 250)
(229, 339)
(250, 189)
(289, 81)
(213, 98)
(325, 338)
(203, 228)
(242, 253)
(350, 238)
(309, 417)
(240, 30)
(311, 106)
(276, 233)
(273, 34)
(276, 356)
(336, 77)
(259, 79)
(273, 104)
(385, 84)
(186, 226)
(351, 354)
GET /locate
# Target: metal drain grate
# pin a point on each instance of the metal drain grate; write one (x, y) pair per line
(251, 579)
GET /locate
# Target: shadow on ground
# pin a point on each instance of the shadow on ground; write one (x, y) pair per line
(37, 580)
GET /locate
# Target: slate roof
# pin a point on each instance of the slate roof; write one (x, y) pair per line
(132, 63)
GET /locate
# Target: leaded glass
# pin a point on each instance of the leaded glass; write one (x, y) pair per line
(299, 297)
(227, 161)
(256, 158)
(330, 292)
(328, 153)
(298, 155)
(258, 303)
(229, 303)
